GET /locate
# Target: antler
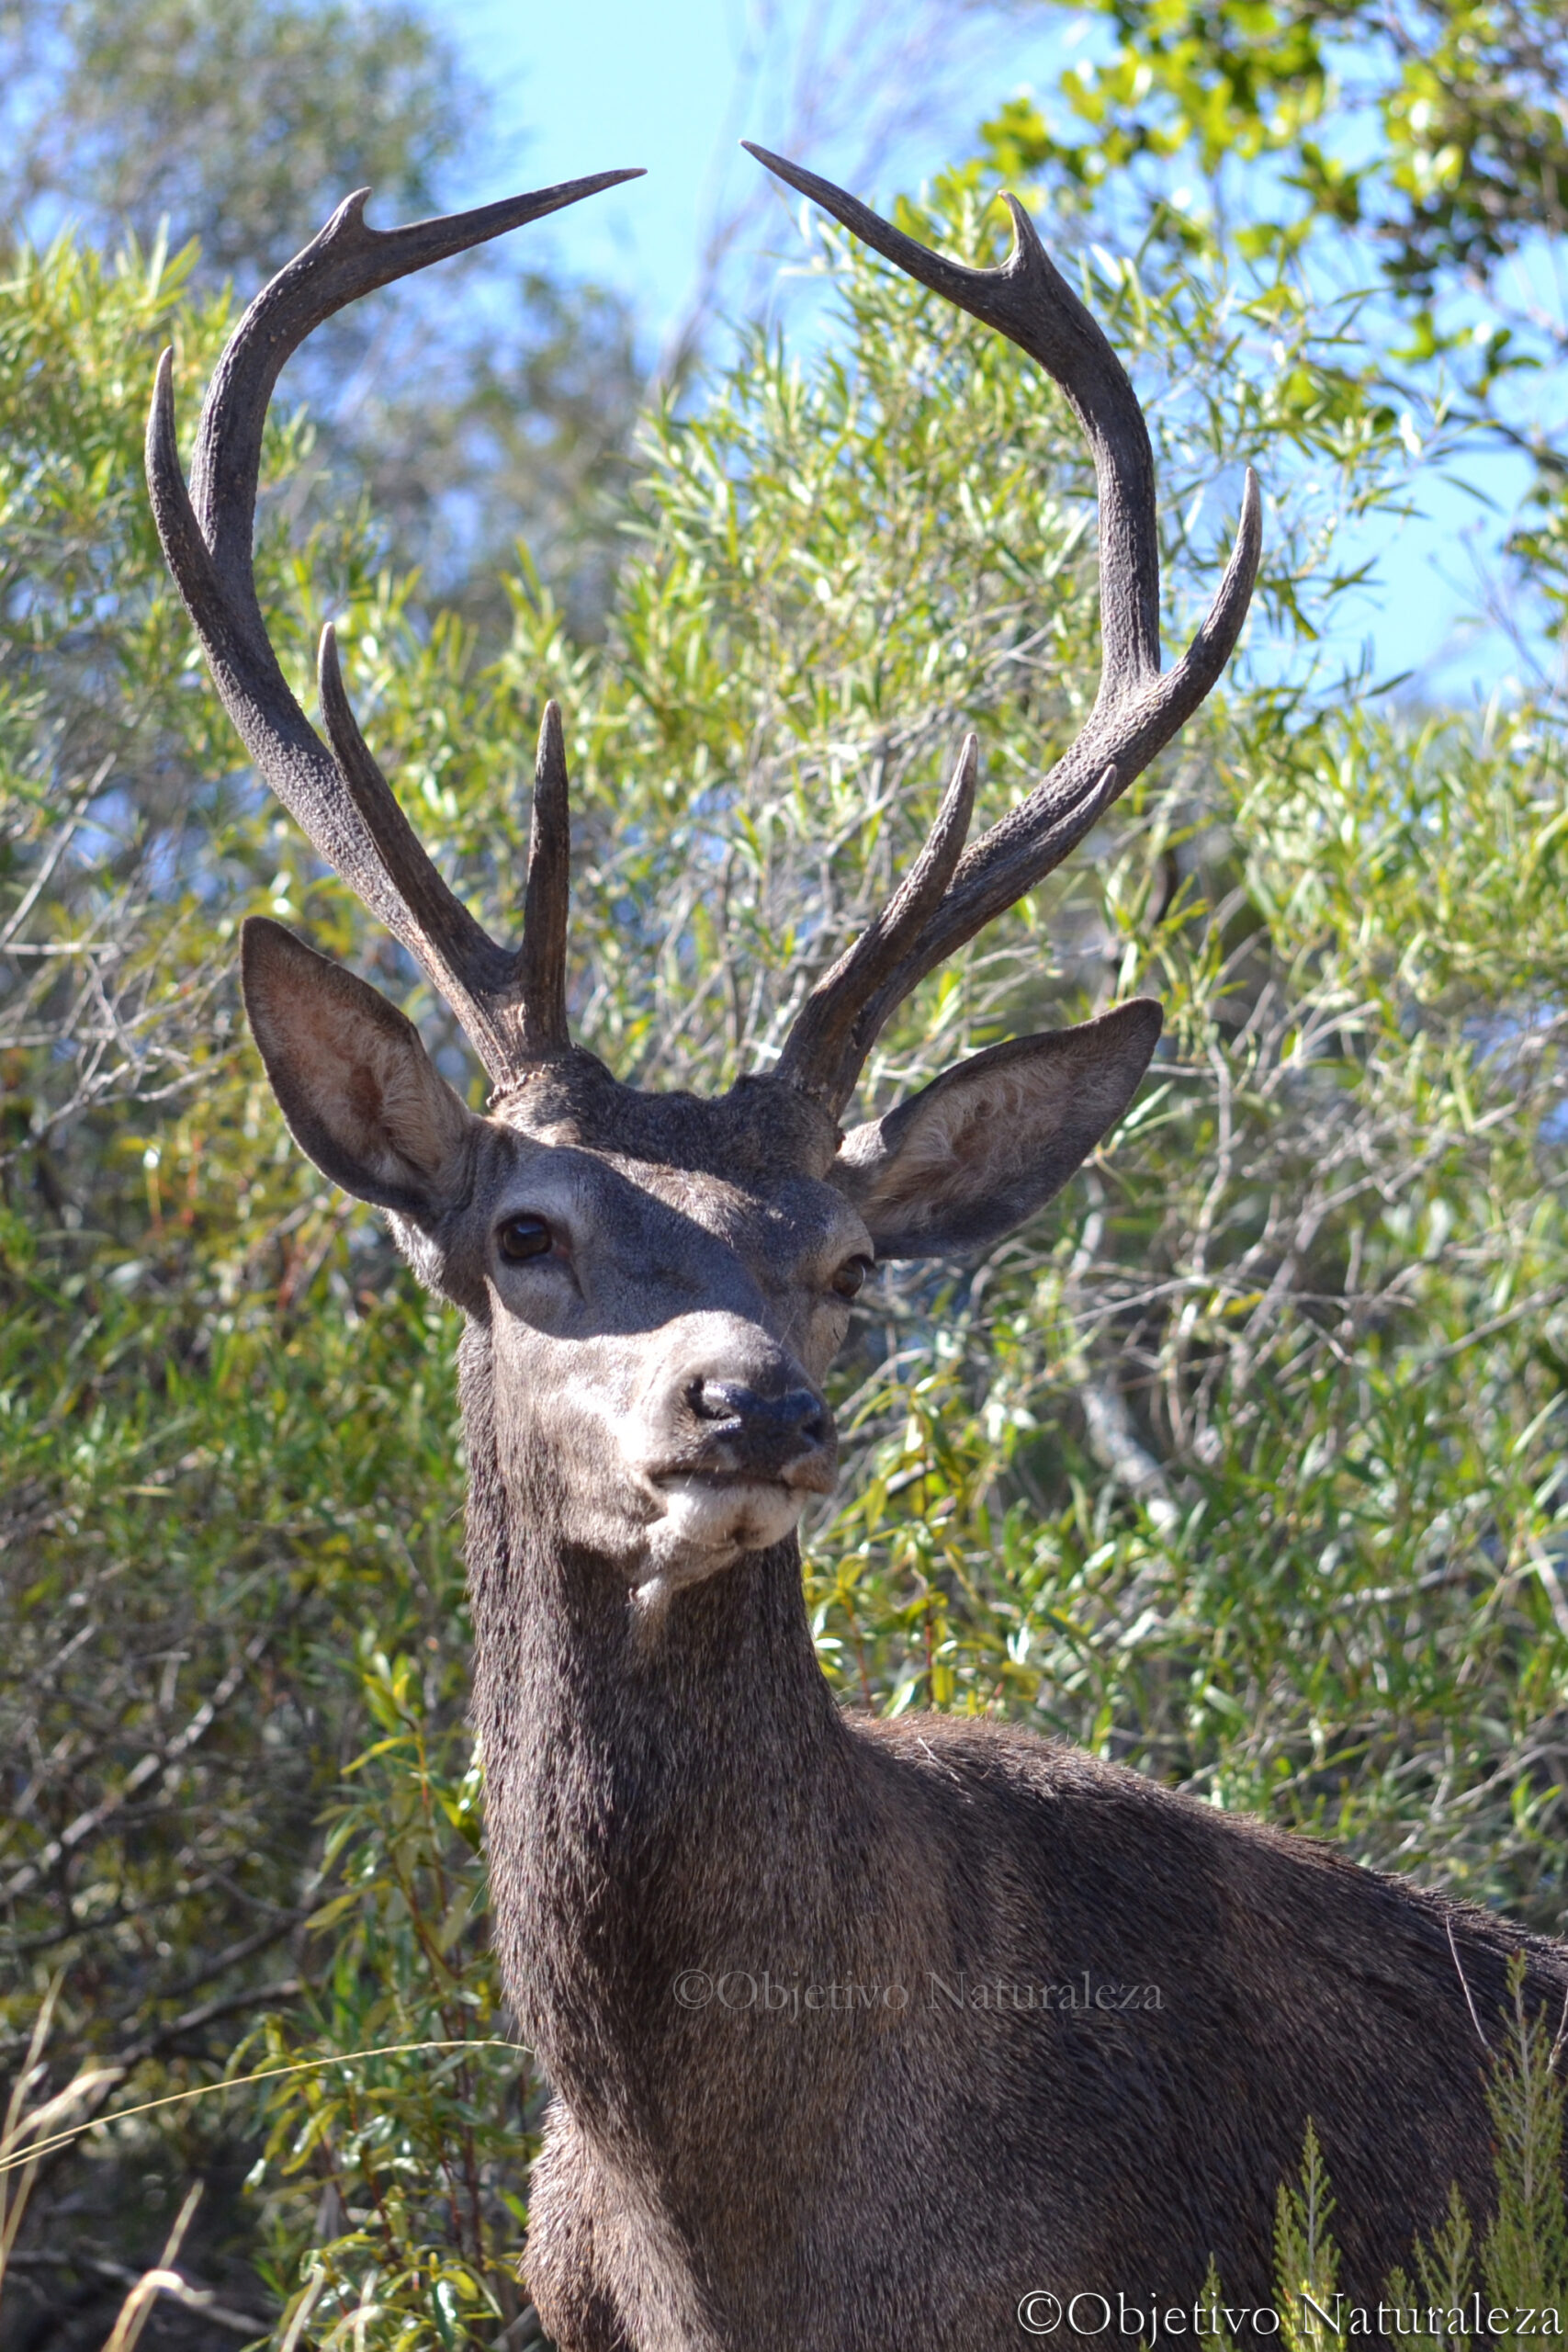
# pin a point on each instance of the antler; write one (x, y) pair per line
(512, 1003)
(1136, 711)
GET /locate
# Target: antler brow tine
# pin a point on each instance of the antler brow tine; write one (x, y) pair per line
(543, 956)
(340, 797)
(1138, 709)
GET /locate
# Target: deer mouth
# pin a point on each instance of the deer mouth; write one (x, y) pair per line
(812, 1474)
(710, 1517)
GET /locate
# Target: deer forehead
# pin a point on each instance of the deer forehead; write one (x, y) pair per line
(760, 1131)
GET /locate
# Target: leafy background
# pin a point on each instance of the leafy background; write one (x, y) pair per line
(1243, 1464)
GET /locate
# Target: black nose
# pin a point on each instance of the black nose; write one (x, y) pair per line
(763, 1434)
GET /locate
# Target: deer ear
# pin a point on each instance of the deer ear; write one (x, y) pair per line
(965, 1161)
(361, 1097)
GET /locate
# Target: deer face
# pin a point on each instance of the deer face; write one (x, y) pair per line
(665, 1336)
(666, 1281)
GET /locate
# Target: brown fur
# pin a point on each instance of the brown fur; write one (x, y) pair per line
(739, 2176)
(673, 1788)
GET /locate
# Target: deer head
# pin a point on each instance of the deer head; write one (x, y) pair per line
(664, 1281)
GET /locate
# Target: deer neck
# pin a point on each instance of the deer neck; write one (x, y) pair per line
(649, 1778)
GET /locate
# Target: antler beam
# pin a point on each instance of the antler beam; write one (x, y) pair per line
(1138, 709)
(512, 1003)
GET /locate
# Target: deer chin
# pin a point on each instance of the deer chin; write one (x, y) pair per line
(709, 1522)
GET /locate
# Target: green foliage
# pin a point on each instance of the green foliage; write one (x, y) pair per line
(203, 1506)
(1444, 2281)
(1464, 155)
(394, 2188)
(1307, 2261)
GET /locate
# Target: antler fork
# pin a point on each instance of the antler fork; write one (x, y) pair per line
(511, 1002)
(953, 892)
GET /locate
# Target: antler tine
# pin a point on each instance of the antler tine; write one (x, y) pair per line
(421, 892)
(823, 1042)
(341, 803)
(543, 958)
(1138, 709)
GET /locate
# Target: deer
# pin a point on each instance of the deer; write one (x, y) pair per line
(836, 2012)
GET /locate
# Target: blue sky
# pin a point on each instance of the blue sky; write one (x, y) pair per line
(654, 82)
(662, 83)
(589, 88)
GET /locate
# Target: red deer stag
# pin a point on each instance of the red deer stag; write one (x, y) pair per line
(783, 1965)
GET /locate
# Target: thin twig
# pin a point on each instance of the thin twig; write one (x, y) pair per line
(1468, 2004)
(11, 2162)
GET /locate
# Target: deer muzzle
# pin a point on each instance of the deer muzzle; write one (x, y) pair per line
(733, 1439)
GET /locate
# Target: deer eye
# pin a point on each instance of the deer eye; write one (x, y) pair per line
(524, 1237)
(850, 1280)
